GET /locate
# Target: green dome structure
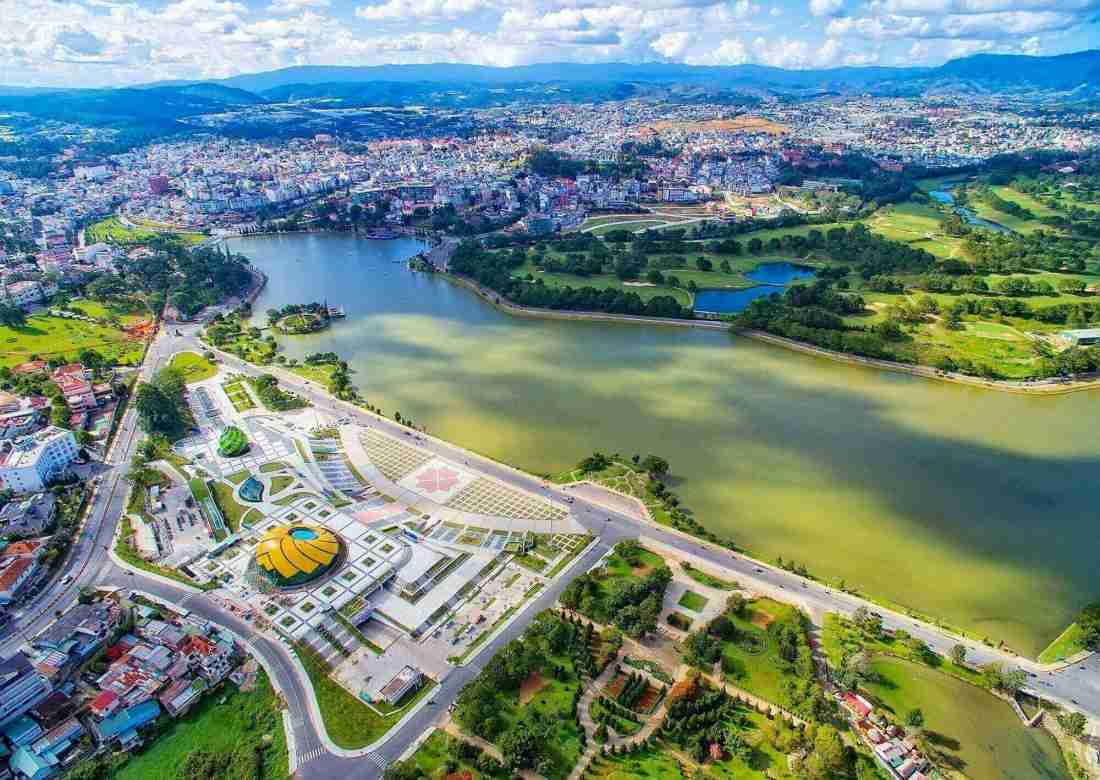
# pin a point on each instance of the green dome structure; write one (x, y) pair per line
(232, 442)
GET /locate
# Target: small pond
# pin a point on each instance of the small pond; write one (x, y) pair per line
(969, 217)
(772, 278)
(252, 490)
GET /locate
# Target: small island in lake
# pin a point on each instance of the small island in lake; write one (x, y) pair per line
(299, 318)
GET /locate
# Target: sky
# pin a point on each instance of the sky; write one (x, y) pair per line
(81, 43)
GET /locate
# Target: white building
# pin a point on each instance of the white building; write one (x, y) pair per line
(29, 463)
(402, 682)
(24, 293)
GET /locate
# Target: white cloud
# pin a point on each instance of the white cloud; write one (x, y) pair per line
(730, 51)
(776, 11)
(671, 45)
(826, 7)
(786, 52)
(421, 9)
(295, 6)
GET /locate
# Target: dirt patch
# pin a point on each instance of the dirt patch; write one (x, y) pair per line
(530, 687)
(761, 619)
(641, 570)
(616, 687)
(648, 700)
(752, 124)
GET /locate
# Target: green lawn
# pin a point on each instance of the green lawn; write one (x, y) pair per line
(766, 761)
(1020, 225)
(693, 601)
(436, 751)
(917, 225)
(281, 483)
(617, 573)
(46, 337)
(840, 637)
(1013, 195)
(555, 700)
(350, 723)
(127, 315)
(112, 231)
(703, 578)
(288, 500)
(239, 726)
(274, 465)
(604, 282)
(231, 510)
(752, 662)
(654, 763)
(633, 227)
(238, 477)
(193, 366)
(1069, 642)
(321, 374)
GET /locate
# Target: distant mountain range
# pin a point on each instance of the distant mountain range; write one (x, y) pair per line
(159, 107)
(1065, 71)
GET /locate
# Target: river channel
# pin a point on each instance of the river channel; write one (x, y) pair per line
(975, 506)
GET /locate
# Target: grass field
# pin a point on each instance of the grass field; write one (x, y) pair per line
(603, 282)
(655, 763)
(350, 723)
(555, 701)
(112, 231)
(703, 578)
(1013, 195)
(611, 219)
(693, 601)
(227, 505)
(752, 662)
(126, 315)
(436, 751)
(239, 724)
(45, 337)
(643, 224)
(238, 395)
(840, 637)
(193, 366)
(917, 225)
(281, 483)
(617, 574)
(321, 374)
(1010, 221)
(1069, 642)
(766, 761)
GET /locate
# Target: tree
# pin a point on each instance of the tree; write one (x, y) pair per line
(1073, 723)
(958, 654)
(160, 405)
(1089, 623)
(655, 465)
(12, 316)
(914, 718)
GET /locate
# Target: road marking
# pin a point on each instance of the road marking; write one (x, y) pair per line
(376, 759)
(309, 755)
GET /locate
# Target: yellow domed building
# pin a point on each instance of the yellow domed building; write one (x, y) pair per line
(292, 555)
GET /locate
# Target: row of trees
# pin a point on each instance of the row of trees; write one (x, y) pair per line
(494, 271)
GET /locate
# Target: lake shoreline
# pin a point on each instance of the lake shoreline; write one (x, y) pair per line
(1038, 387)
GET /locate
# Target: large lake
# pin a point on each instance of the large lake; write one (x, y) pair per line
(976, 506)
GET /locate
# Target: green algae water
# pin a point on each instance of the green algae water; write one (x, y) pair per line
(971, 731)
(973, 506)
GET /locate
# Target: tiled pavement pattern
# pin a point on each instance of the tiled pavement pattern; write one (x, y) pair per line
(488, 497)
(392, 458)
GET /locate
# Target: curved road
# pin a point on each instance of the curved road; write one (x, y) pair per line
(1078, 684)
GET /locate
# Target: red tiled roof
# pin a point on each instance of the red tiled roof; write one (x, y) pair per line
(14, 571)
(103, 701)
